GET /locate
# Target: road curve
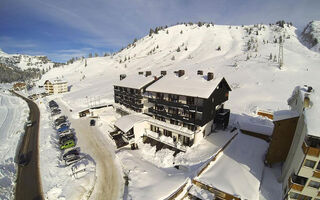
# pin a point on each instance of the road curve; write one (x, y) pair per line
(28, 178)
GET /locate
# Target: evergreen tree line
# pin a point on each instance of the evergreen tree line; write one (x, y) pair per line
(11, 74)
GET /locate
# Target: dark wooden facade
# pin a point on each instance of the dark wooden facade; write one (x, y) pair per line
(194, 111)
(282, 137)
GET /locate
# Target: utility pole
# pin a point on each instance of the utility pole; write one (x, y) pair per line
(280, 56)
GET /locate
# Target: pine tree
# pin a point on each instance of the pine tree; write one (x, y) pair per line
(151, 31)
(96, 55)
(181, 32)
(173, 58)
(270, 57)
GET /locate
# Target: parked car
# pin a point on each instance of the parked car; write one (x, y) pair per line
(60, 120)
(92, 122)
(29, 123)
(63, 129)
(62, 124)
(73, 159)
(56, 111)
(23, 160)
(68, 144)
(66, 137)
(71, 153)
(62, 134)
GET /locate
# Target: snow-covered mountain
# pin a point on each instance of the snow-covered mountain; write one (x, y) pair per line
(17, 67)
(311, 35)
(25, 61)
(245, 55)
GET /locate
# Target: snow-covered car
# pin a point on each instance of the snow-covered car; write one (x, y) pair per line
(29, 123)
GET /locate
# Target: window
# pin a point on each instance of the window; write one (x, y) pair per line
(314, 184)
(294, 195)
(190, 100)
(173, 98)
(160, 96)
(309, 163)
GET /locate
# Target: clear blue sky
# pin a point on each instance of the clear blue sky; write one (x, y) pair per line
(62, 29)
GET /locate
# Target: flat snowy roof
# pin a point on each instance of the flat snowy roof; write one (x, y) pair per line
(134, 81)
(126, 122)
(284, 114)
(187, 85)
(238, 170)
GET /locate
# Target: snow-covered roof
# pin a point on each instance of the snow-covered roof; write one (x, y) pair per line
(126, 122)
(187, 85)
(311, 113)
(56, 81)
(284, 114)
(238, 170)
(134, 81)
(259, 125)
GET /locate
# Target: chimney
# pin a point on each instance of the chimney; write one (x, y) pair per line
(180, 73)
(210, 76)
(148, 73)
(140, 73)
(155, 78)
(200, 72)
(122, 76)
(163, 73)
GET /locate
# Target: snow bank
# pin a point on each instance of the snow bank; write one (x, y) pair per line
(13, 115)
(59, 181)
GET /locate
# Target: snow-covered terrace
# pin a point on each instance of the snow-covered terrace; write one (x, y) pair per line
(238, 170)
(188, 85)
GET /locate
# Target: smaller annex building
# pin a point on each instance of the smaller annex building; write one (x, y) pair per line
(56, 86)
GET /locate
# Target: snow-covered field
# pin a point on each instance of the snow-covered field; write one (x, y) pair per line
(13, 114)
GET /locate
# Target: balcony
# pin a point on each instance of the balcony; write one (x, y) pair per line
(297, 182)
(164, 139)
(163, 113)
(309, 150)
(176, 104)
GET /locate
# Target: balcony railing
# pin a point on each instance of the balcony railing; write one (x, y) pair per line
(311, 151)
(297, 182)
(129, 94)
(175, 116)
(176, 104)
(316, 174)
(164, 139)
